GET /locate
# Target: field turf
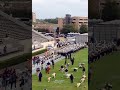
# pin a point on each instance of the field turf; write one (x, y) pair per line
(61, 82)
(107, 69)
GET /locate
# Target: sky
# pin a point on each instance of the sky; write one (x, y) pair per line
(45, 9)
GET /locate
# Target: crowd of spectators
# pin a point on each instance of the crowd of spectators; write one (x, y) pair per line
(14, 78)
(99, 49)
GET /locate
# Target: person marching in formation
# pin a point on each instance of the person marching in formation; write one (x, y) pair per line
(83, 69)
(71, 78)
(40, 76)
(53, 63)
(72, 61)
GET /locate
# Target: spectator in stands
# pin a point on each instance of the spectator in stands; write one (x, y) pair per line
(22, 82)
(37, 61)
(13, 78)
(34, 61)
(99, 49)
(10, 78)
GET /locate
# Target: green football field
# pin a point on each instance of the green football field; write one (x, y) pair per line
(61, 82)
(107, 69)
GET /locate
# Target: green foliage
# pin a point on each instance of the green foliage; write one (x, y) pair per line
(42, 30)
(111, 11)
(15, 60)
(83, 29)
(19, 59)
(54, 21)
(39, 52)
(68, 28)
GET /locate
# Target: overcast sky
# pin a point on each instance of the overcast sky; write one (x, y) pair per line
(58, 8)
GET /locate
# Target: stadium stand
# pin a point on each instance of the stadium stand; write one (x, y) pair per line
(14, 31)
(13, 28)
(36, 36)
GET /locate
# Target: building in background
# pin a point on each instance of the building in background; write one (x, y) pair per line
(79, 21)
(33, 17)
(76, 20)
(67, 19)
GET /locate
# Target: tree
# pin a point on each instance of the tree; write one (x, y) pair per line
(54, 21)
(110, 11)
(83, 29)
(68, 28)
(42, 30)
